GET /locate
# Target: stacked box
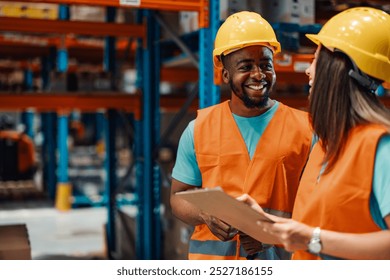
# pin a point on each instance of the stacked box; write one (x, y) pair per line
(14, 242)
(286, 17)
(87, 13)
(228, 7)
(287, 11)
(28, 10)
(188, 21)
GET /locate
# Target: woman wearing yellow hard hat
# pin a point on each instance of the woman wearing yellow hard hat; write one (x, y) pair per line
(342, 209)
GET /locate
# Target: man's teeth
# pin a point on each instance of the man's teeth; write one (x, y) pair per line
(259, 87)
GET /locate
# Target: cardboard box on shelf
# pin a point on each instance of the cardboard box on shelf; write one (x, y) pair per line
(28, 10)
(188, 22)
(228, 7)
(98, 14)
(275, 11)
(14, 242)
(87, 13)
(287, 11)
(307, 12)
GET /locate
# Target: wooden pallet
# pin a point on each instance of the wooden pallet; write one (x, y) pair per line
(19, 190)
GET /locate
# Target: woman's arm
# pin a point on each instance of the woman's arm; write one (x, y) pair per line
(375, 245)
(295, 236)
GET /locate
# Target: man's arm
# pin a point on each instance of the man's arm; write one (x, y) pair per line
(191, 215)
(182, 209)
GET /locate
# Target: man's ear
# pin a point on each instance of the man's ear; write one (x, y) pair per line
(225, 76)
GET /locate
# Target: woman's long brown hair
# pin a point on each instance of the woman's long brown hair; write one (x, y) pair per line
(338, 103)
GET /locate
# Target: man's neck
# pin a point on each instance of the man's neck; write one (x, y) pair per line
(238, 108)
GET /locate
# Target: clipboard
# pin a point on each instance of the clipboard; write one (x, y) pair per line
(228, 209)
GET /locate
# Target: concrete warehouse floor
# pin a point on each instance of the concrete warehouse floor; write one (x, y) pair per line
(73, 234)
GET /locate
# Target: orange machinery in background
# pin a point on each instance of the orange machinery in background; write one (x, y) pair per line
(17, 156)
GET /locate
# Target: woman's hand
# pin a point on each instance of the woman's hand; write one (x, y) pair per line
(247, 199)
(292, 235)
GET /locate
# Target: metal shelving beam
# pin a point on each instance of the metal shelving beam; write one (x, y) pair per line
(109, 131)
(49, 153)
(62, 146)
(27, 116)
(148, 180)
(111, 180)
(69, 102)
(209, 93)
(39, 41)
(71, 27)
(48, 120)
(87, 54)
(174, 5)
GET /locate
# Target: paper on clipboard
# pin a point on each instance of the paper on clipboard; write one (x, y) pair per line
(228, 209)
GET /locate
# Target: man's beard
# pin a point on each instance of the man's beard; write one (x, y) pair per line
(248, 102)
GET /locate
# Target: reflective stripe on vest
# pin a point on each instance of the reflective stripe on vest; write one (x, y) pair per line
(213, 247)
(277, 213)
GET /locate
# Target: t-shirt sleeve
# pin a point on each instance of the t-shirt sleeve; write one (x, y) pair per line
(186, 167)
(381, 182)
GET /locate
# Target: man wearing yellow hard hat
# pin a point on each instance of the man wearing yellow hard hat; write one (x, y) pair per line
(248, 144)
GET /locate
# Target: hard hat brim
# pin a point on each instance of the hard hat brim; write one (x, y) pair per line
(313, 38)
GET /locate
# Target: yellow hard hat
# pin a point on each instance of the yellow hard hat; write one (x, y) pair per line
(240, 30)
(364, 35)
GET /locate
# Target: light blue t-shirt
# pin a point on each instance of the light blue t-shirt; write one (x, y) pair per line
(381, 182)
(186, 168)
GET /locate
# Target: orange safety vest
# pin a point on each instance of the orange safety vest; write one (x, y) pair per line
(26, 153)
(340, 200)
(271, 176)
